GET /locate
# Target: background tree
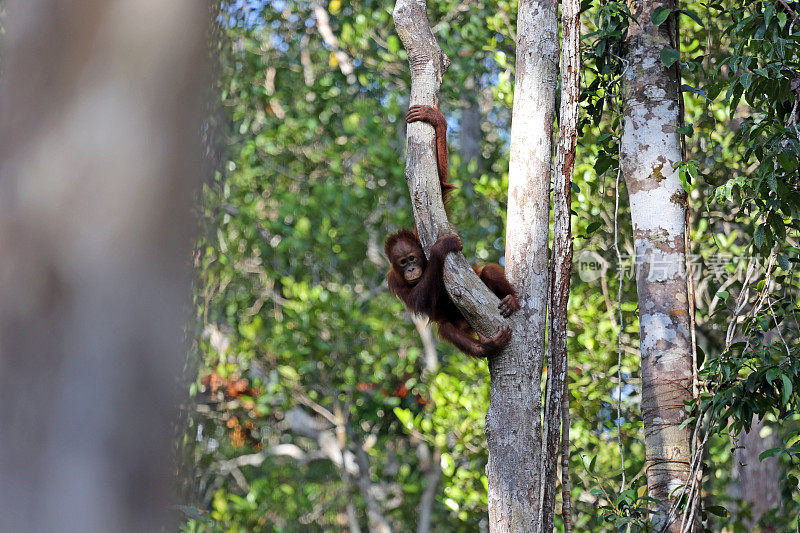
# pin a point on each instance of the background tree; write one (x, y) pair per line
(650, 152)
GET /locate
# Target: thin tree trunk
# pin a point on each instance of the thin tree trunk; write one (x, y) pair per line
(557, 401)
(430, 361)
(566, 486)
(757, 482)
(352, 518)
(100, 151)
(430, 463)
(649, 149)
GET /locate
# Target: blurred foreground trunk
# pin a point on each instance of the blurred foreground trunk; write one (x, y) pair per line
(557, 394)
(101, 116)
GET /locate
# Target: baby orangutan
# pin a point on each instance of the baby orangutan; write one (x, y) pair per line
(418, 283)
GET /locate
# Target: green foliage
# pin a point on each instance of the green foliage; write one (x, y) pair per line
(290, 295)
(762, 72)
(746, 170)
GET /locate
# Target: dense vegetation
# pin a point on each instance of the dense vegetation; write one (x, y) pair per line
(310, 374)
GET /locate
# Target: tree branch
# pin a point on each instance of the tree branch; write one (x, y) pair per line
(433, 474)
(324, 27)
(427, 64)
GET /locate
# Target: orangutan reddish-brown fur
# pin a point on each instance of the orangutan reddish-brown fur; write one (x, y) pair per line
(431, 115)
(418, 282)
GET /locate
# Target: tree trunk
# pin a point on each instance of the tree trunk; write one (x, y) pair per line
(431, 467)
(99, 155)
(649, 149)
(758, 482)
(513, 427)
(557, 400)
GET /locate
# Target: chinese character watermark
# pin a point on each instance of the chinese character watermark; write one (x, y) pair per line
(590, 266)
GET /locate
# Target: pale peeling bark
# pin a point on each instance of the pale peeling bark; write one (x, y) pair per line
(99, 157)
(649, 149)
(557, 398)
(513, 427)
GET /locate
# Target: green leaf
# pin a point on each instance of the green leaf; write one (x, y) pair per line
(772, 181)
(772, 373)
(600, 49)
(778, 227)
(772, 452)
(787, 388)
(393, 43)
(692, 16)
(405, 417)
(768, 12)
(660, 15)
(746, 80)
(760, 32)
(758, 237)
(733, 102)
(669, 56)
(717, 510)
(686, 173)
(448, 464)
(694, 90)
(594, 226)
(604, 162)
